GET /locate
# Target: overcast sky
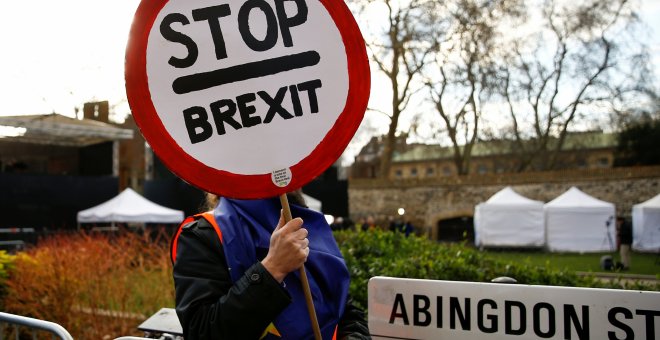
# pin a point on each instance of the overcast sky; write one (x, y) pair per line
(56, 55)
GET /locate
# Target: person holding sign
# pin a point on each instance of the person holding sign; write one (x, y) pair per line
(216, 89)
(235, 274)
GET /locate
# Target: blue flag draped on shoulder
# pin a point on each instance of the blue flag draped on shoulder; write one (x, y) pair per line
(246, 227)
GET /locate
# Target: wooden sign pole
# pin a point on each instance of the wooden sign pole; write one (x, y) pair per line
(303, 275)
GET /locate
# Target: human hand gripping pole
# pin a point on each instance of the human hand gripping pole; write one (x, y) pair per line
(292, 239)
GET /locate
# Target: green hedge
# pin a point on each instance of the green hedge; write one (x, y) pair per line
(384, 253)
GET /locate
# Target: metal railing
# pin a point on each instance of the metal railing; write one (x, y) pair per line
(33, 324)
(164, 325)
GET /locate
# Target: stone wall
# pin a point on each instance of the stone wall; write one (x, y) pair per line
(428, 201)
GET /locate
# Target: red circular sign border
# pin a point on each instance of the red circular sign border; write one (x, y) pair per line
(239, 185)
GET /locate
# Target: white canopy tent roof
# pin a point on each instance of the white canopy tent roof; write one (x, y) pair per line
(646, 225)
(312, 202)
(56, 129)
(509, 219)
(577, 222)
(129, 207)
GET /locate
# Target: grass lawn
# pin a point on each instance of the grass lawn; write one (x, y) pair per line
(641, 263)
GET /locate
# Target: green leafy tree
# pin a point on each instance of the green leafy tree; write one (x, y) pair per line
(638, 144)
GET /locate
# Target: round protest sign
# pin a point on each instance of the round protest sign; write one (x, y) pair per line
(247, 99)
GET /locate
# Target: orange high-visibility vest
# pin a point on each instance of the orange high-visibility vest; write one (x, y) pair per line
(208, 216)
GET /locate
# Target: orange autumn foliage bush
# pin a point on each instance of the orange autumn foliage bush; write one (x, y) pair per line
(95, 285)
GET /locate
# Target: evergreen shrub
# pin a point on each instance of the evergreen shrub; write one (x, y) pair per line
(384, 253)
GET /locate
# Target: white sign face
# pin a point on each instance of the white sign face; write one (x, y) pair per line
(265, 91)
(247, 99)
(429, 309)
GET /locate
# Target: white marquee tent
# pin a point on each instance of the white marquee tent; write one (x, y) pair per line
(646, 225)
(129, 207)
(577, 222)
(508, 219)
(312, 202)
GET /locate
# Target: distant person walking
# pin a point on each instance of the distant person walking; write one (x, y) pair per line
(408, 228)
(624, 238)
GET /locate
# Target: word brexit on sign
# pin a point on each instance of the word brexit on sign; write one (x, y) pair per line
(227, 93)
(427, 309)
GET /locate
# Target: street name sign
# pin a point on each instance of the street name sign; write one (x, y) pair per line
(432, 309)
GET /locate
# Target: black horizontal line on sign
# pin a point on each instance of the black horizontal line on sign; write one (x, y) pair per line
(256, 69)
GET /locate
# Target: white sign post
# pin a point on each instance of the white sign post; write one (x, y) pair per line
(429, 309)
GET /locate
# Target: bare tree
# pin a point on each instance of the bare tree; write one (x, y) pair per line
(400, 50)
(574, 69)
(464, 73)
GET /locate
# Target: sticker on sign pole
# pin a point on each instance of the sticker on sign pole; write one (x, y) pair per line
(230, 93)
